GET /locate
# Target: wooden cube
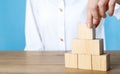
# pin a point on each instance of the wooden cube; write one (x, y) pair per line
(97, 48)
(87, 46)
(71, 60)
(101, 63)
(105, 62)
(86, 33)
(84, 62)
(80, 46)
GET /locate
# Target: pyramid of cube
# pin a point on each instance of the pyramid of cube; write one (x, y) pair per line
(87, 52)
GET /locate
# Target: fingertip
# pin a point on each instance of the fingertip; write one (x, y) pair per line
(104, 16)
(96, 22)
(89, 25)
(96, 25)
(110, 14)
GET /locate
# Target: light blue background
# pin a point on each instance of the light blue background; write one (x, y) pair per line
(12, 20)
(112, 33)
(12, 25)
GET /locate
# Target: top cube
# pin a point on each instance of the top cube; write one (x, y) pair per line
(86, 33)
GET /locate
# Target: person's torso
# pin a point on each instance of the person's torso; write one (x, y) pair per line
(58, 21)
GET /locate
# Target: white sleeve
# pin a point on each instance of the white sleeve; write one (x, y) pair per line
(100, 29)
(33, 41)
(117, 11)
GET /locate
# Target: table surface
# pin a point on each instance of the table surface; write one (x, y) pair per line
(21, 62)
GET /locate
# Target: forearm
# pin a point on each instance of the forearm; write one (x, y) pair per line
(118, 1)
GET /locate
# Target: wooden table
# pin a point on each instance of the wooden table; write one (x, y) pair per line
(46, 63)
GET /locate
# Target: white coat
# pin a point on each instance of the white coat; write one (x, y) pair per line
(51, 24)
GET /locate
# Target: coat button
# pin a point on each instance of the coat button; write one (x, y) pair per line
(60, 9)
(61, 39)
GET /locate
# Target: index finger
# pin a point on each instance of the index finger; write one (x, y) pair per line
(89, 19)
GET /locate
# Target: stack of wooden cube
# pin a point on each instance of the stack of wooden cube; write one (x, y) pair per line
(87, 52)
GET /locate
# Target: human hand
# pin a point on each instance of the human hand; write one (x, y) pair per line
(97, 9)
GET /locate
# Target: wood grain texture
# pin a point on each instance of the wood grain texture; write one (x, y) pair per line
(85, 62)
(87, 46)
(71, 60)
(101, 62)
(47, 63)
(85, 33)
